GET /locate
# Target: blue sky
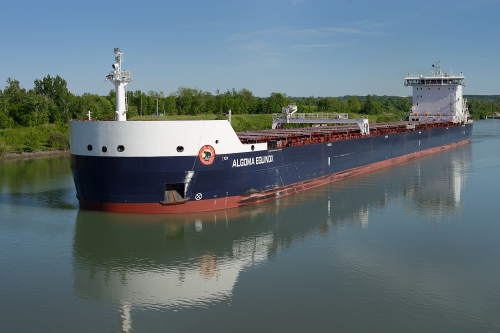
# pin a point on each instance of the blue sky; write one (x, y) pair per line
(297, 47)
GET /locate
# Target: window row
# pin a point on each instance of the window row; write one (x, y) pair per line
(435, 81)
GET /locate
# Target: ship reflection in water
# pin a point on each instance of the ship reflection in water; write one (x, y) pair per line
(439, 193)
(195, 260)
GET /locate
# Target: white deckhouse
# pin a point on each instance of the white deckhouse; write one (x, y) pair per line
(438, 97)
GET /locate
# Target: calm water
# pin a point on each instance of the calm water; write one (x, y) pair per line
(410, 248)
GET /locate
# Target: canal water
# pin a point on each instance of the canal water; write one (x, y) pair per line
(410, 248)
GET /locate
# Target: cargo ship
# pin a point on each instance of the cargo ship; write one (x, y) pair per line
(204, 165)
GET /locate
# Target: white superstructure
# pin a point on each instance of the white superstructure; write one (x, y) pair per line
(438, 97)
(120, 79)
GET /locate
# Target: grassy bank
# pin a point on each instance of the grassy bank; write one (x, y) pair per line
(28, 139)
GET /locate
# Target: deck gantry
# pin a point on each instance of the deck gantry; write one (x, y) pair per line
(289, 116)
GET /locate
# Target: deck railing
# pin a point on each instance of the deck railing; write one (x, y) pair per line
(319, 115)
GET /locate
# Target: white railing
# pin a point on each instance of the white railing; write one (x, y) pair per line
(319, 115)
(428, 83)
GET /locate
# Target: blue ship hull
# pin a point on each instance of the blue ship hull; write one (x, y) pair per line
(139, 184)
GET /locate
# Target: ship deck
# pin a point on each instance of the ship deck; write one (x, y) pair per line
(280, 138)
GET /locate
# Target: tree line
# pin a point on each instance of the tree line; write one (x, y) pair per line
(49, 101)
(481, 108)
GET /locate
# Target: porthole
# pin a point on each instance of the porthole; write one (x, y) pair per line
(253, 147)
(120, 148)
(89, 147)
(104, 149)
(180, 149)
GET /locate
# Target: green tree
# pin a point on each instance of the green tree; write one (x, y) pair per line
(370, 106)
(170, 104)
(353, 105)
(100, 107)
(5, 120)
(190, 101)
(55, 89)
(325, 104)
(14, 99)
(276, 102)
(210, 102)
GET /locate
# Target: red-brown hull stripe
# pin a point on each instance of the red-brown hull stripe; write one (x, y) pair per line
(239, 201)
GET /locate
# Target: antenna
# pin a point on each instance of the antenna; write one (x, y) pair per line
(438, 68)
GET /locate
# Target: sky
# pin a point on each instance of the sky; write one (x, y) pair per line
(296, 47)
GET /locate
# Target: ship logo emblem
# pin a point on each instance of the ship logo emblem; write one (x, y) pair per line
(207, 155)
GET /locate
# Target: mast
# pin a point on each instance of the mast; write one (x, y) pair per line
(437, 68)
(120, 79)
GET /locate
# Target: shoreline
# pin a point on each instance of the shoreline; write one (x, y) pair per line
(34, 154)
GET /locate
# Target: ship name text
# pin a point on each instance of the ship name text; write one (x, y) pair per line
(252, 161)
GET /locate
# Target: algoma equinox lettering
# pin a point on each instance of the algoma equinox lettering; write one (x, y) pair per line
(252, 161)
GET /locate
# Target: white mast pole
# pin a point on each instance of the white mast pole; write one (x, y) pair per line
(120, 79)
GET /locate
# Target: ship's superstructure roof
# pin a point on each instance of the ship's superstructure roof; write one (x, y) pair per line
(436, 78)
